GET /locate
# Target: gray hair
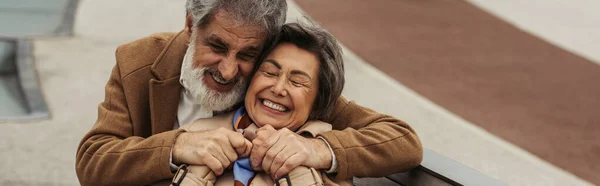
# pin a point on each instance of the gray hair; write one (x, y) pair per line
(268, 14)
(315, 39)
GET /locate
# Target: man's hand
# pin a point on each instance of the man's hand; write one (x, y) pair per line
(278, 152)
(216, 148)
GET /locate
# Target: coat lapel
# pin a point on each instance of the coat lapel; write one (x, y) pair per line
(164, 99)
(165, 89)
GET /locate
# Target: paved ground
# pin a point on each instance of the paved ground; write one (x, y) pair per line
(533, 94)
(73, 71)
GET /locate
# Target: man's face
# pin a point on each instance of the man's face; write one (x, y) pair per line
(220, 60)
(228, 46)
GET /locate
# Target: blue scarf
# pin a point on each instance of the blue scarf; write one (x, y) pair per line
(242, 169)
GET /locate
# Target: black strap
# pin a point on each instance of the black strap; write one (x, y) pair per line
(179, 175)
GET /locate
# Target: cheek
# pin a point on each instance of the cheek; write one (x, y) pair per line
(250, 100)
(303, 103)
(302, 108)
(251, 92)
(205, 57)
(246, 69)
(257, 84)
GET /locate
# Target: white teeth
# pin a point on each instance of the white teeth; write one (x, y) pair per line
(219, 79)
(274, 106)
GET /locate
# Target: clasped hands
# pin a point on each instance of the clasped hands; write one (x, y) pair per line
(276, 152)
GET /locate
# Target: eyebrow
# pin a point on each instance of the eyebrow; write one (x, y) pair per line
(294, 72)
(273, 62)
(217, 40)
(299, 72)
(251, 49)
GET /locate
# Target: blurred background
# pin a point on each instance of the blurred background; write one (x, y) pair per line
(508, 88)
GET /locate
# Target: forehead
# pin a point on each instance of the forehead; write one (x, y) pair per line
(293, 58)
(226, 27)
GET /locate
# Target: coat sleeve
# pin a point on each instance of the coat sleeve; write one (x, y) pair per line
(370, 144)
(109, 154)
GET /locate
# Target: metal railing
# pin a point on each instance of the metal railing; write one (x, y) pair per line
(435, 170)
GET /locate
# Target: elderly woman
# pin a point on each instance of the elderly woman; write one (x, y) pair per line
(299, 80)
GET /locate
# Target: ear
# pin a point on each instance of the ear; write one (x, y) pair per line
(189, 23)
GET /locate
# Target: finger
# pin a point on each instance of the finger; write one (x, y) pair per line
(222, 158)
(260, 146)
(250, 134)
(281, 157)
(266, 128)
(248, 149)
(229, 152)
(214, 164)
(271, 156)
(290, 164)
(238, 142)
(265, 131)
(245, 150)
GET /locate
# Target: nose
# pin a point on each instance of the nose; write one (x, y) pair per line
(228, 68)
(279, 87)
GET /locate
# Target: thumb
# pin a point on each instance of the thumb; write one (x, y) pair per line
(245, 152)
(250, 133)
(239, 143)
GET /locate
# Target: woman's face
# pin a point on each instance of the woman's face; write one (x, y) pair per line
(283, 90)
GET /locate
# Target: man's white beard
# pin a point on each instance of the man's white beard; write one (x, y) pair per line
(192, 79)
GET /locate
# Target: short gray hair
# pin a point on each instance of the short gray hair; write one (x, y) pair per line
(315, 39)
(268, 14)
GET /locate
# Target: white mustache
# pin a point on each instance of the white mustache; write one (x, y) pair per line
(218, 77)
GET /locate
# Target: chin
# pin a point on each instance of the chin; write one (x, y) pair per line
(266, 120)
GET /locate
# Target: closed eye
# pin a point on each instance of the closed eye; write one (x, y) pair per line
(247, 57)
(218, 48)
(297, 84)
(270, 74)
(299, 79)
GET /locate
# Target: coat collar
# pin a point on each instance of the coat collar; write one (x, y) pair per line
(168, 64)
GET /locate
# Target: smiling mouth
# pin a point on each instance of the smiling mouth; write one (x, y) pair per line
(219, 79)
(216, 82)
(274, 106)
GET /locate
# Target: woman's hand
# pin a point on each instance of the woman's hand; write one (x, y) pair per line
(278, 152)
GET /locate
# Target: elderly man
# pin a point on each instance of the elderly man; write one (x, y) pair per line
(159, 84)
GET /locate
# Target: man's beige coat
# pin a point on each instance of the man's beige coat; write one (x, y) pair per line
(130, 144)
